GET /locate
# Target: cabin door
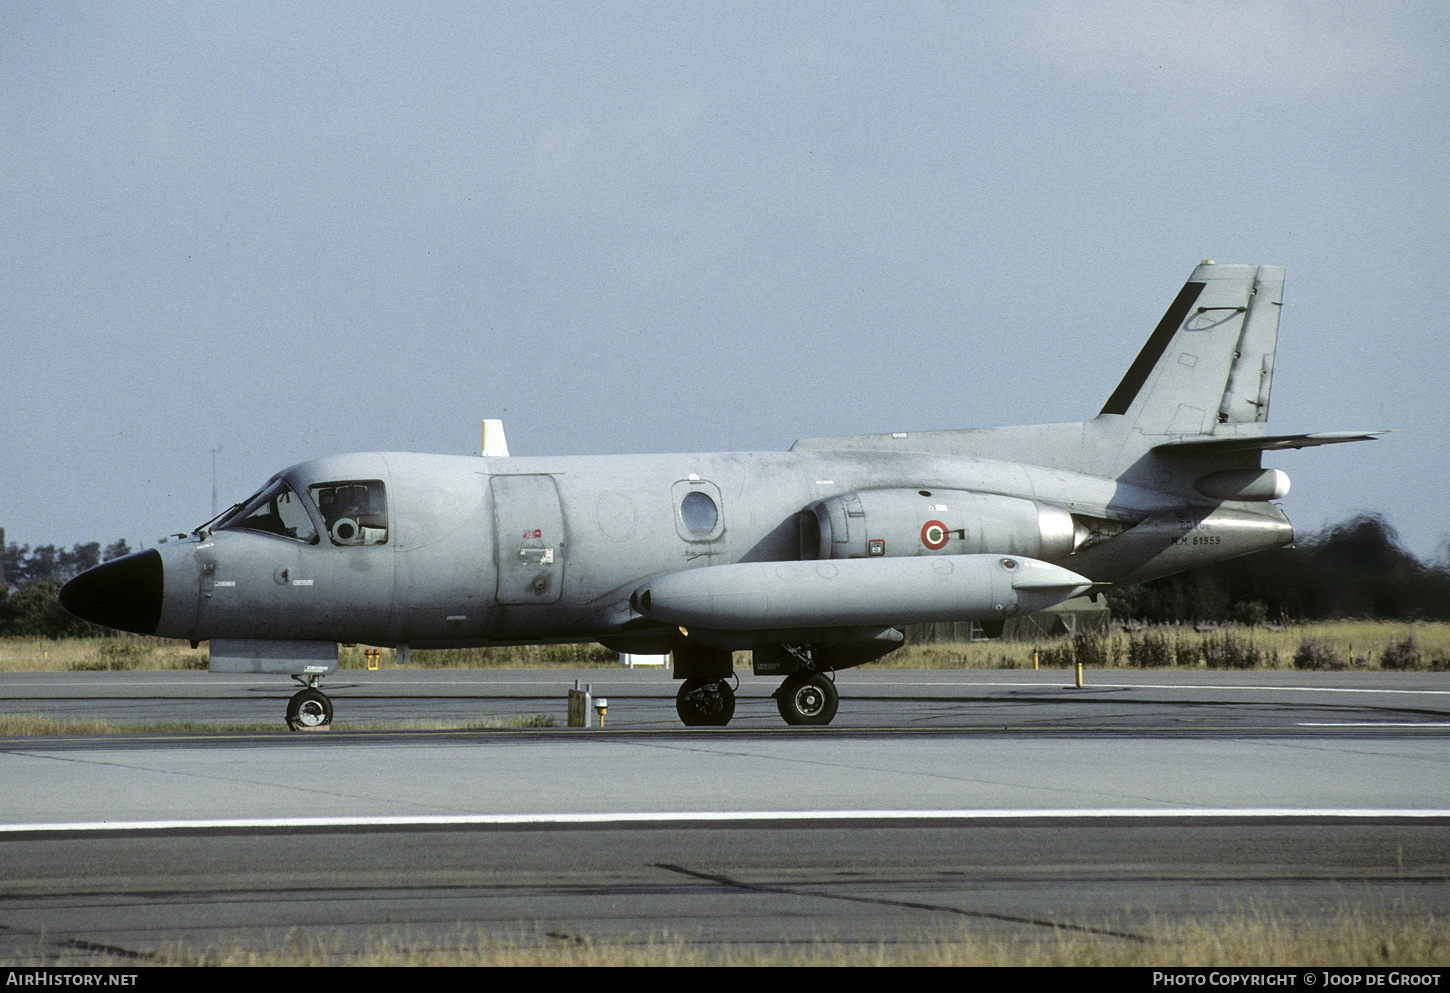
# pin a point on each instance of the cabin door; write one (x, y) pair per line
(528, 538)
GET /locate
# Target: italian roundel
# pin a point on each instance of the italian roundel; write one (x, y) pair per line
(934, 535)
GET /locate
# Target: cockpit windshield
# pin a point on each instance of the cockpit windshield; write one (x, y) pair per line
(276, 510)
(354, 512)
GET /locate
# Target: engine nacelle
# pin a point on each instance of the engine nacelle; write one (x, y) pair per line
(899, 522)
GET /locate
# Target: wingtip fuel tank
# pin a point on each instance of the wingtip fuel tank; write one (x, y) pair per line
(772, 596)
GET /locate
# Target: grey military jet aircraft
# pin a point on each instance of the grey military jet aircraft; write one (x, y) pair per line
(812, 559)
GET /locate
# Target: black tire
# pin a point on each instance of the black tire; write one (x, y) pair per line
(705, 703)
(309, 709)
(808, 698)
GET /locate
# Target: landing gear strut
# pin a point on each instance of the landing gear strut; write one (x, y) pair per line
(309, 708)
(705, 702)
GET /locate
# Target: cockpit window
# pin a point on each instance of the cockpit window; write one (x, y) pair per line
(355, 511)
(276, 510)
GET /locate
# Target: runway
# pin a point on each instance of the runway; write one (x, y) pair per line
(643, 699)
(998, 802)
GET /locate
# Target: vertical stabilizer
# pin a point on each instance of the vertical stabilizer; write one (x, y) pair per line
(1210, 361)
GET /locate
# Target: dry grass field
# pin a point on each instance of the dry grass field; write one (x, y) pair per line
(1344, 645)
(98, 654)
(1254, 938)
(1340, 645)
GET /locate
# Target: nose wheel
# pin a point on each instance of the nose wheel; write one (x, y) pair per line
(308, 709)
(705, 703)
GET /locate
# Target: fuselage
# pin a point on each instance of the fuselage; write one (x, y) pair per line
(454, 550)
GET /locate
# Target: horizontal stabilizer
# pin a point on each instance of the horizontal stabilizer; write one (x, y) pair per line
(1210, 445)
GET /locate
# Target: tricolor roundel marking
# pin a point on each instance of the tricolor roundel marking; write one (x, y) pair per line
(934, 535)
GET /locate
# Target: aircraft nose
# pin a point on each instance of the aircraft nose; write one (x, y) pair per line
(124, 593)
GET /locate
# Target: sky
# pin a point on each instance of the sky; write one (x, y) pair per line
(242, 235)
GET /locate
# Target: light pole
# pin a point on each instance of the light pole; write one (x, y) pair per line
(214, 453)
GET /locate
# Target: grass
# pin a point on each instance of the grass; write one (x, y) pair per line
(1395, 645)
(1349, 938)
(1336, 644)
(590, 656)
(42, 725)
(125, 653)
(119, 654)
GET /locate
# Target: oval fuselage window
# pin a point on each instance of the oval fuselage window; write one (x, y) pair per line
(699, 513)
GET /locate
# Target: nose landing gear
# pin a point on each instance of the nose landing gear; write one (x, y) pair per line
(310, 708)
(705, 703)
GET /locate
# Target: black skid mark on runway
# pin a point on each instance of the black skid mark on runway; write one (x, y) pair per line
(81, 944)
(567, 938)
(905, 904)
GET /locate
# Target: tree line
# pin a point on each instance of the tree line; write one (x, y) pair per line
(30, 582)
(1354, 569)
(20, 565)
(1357, 569)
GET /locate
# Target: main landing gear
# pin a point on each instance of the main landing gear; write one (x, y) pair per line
(706, 698)
(808, 698)
(805, 698)
(309, 708)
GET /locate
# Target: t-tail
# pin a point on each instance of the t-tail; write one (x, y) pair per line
(1199, 389)
(1189, 418)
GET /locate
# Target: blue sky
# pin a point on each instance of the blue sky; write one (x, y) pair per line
(291, 230)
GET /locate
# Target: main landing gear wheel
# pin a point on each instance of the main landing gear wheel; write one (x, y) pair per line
(705, 703)
(309, 708)
(807, 698)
